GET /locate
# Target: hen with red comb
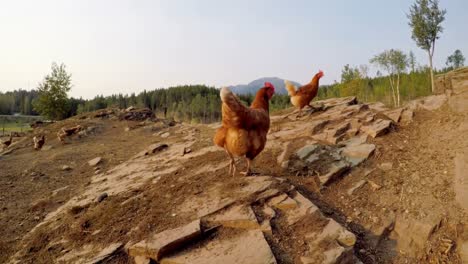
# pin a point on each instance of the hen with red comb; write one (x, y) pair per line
(302, 96)
(244, 129)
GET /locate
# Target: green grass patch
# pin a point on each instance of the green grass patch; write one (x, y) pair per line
(16, 123)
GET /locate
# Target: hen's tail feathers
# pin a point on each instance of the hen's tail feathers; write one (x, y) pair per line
(231, 100)
(290, 87)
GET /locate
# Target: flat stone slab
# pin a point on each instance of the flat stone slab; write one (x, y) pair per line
(326, 244)
(95, 161)
(329, 136)
(357, 108)
(166, 242)
(237, 216)
(303, 207)
(106, 253)
(378, 128)
(247, 247)
(277, 199)
(214, 199)
(334, 230)
(358, 153)
(339, 129)
(317, 125)
(153, 148)
(338, 101)
(356, 140)
(407, 116)
(378, 107)
(286, 204)
(256, 185)
(267, 194)
(394, 114)
(412, 234)
(336, 170)
(306, 151)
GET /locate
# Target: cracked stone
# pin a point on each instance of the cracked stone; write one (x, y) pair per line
(166, 242)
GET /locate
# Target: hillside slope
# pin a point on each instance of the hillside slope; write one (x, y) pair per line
(349, 183)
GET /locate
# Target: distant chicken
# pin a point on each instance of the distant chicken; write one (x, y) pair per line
(8, 142)
(244, 130)
(38, 142)
(66, 132)
(303, 96)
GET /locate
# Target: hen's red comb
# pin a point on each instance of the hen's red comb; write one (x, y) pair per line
(269, 85)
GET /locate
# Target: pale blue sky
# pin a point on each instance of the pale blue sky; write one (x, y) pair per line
(126, 46)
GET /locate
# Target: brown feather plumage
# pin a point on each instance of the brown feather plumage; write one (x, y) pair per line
(244, 129)
(305, 94)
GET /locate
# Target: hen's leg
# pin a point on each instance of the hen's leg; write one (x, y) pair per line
(312, 109)
(299, 114)
(232, 164)
(247, 172)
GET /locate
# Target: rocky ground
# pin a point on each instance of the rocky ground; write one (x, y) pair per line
(347, 182)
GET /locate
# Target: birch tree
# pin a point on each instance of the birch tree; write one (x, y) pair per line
(394, 62)
(425, 19)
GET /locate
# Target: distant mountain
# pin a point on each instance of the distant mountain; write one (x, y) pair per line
(255, 85)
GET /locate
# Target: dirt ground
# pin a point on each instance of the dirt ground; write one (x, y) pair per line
(418, 185)
(33, 183)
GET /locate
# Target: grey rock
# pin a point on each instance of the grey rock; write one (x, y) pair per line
(356, 154)
(335, 171)
(94, 161)
(66, 168)
(102, 197)
(306, 151)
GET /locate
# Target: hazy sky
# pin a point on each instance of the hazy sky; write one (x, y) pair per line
(128, 45)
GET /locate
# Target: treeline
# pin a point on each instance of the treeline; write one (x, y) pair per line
(201, 104)
(18, 101)
(197, 103)
(193, 103)
(414, 84)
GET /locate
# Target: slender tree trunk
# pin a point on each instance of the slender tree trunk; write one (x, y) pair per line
(432, 73)
(398, 89)
(431, 55)
(393, 90)
(204, 115)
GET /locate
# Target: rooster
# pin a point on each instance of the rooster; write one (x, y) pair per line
(303, 96)
(38, 142)
(7, 142)
(244, 130)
